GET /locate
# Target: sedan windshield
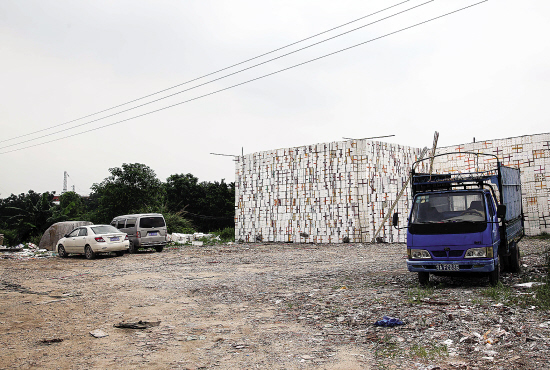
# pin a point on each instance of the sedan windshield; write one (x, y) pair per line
(449, 207)
(104, 229)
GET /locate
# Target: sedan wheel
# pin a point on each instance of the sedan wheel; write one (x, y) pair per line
(61, 251)
(89, 253)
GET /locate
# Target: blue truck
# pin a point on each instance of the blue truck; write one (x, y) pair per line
(465, 222)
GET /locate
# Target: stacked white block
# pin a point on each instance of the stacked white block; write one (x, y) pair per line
(322, 193)
(531, 154)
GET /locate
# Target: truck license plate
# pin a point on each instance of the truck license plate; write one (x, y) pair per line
(447, 267)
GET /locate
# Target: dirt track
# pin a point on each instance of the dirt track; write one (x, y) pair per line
(261, 306)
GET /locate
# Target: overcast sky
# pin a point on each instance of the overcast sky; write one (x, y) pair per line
(483, 72)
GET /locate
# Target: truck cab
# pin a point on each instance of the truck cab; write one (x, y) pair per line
(458, 224)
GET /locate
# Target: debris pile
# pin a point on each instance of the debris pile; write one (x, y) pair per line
(24, 251)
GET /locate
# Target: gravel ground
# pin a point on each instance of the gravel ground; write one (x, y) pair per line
(267, 306)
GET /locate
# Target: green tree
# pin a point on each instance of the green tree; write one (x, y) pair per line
(132, 188)
(24, 217)
(183, 192)
(176, 223)
(70, 208)
(210, 206)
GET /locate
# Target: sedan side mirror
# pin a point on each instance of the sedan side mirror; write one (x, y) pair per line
(395, 220)
(501, 211)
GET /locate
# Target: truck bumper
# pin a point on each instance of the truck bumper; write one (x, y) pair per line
(451, 266)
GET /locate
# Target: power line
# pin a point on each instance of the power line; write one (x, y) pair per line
(367, 138)
(251, 80)
(219, 78)
(208, 74)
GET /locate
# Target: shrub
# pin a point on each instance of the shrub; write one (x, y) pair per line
(226, 235)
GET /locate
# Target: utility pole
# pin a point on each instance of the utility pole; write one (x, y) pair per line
(65, 174)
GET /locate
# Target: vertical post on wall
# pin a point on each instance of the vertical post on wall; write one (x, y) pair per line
(396, 200)
(436, 136)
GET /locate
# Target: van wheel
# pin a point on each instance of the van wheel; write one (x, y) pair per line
(494, 276)
(90, 255)
(423, 278)
(61, 251)
(515, 258)
(159, 249)
(131, 248)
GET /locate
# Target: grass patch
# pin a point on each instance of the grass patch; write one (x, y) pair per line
(539, 297)
(429, 352)
(541, 236)
(415, 295)
(387, 348)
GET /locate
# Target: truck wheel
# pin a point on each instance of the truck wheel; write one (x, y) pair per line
(505, 263)
(423, 278)
(515, 258)
(494, 276)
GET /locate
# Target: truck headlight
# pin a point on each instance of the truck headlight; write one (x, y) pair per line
(418, 254)
(483, 252)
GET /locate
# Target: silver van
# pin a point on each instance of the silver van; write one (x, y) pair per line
(145, 230)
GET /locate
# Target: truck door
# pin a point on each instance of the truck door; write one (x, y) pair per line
(495, 234)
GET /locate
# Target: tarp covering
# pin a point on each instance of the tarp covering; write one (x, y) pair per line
(57, 231)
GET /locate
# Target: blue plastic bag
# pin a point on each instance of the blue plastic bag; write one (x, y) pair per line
(389, 321)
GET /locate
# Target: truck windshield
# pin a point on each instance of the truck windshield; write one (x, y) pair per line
(449, 207)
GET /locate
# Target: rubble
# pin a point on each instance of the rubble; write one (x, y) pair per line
(281, 306)
(25, 251)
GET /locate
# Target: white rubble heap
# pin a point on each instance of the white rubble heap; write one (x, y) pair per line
(24, 251)
(189, 238)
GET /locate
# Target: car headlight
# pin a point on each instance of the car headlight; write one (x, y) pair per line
(483, 252)
(419, 254)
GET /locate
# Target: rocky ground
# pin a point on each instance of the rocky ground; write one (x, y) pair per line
(266, 306)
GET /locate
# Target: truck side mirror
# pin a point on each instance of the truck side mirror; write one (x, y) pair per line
(501, 211)
(395, 219)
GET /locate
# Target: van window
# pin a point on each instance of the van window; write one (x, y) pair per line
(120, 224)
(104, 229)
(130, 223)
(150, 222)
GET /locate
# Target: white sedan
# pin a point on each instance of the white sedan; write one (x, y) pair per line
(92, 239)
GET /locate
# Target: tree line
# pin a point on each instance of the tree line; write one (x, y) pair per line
(187, 204)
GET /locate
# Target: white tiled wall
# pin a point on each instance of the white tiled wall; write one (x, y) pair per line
(326, 192)
(321, 193)
(531, 154)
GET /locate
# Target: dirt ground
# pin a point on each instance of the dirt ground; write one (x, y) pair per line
(264, 306)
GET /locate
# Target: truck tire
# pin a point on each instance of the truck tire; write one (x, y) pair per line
(494, 276)
(423, 278)
(515, 258)
(505, 263)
